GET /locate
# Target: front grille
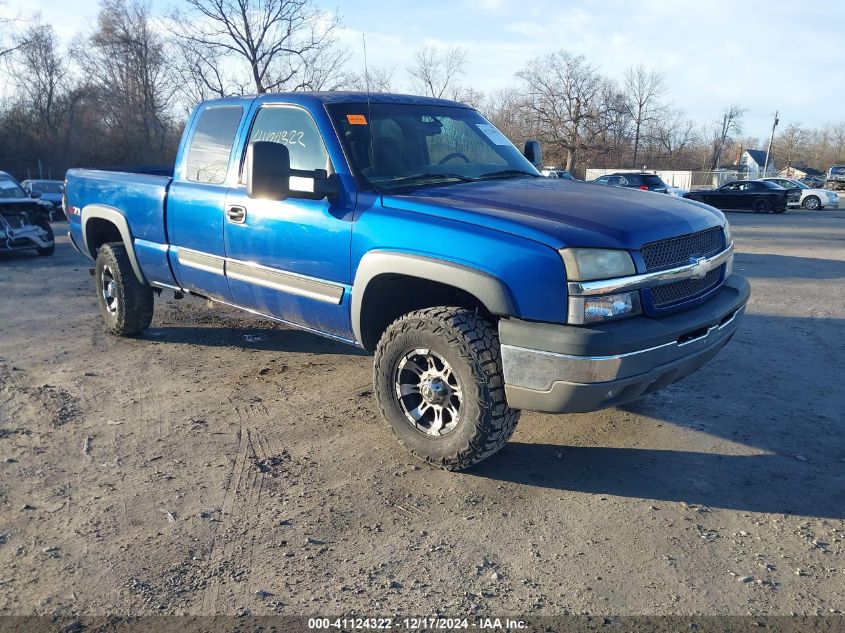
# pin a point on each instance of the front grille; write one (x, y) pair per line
(679, 251)
(678, 291)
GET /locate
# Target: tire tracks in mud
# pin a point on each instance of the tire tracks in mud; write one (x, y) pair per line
(241, 492)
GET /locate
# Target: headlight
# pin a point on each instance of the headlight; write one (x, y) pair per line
(588, 264)
(602, 308)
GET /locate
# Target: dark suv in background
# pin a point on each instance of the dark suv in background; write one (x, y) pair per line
(634, 180)
(51, 192)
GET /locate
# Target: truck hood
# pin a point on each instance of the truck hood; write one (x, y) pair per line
(563, 213)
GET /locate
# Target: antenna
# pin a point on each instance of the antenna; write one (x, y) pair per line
(369, 105)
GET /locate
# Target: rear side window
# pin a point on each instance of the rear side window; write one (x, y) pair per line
(211, 145)
(296, 129)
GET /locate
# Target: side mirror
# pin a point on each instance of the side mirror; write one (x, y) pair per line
(269, 175)
(34, 194)
(267, 170)
(534, 153)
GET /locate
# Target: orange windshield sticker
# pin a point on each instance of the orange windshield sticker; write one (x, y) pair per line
(356, 119)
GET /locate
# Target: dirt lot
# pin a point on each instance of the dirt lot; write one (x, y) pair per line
(222, 464)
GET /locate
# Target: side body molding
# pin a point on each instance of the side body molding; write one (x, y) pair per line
(489, 290)
(103, 212)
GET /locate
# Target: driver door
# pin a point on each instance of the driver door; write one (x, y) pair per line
(289, 259)
(729, 197)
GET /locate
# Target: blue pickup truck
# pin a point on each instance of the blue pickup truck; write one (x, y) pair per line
(412, 228)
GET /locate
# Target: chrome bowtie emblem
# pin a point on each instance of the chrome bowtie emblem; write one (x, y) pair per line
(700, 267)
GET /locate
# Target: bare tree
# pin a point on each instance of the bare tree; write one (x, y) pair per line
(609, 130)
(47, 91)
(837, 134)
(674, 135)
(563, 93)
(791, 143)
(468, 95)
(374, 79)
(506, 110)
(435, 70)
(237, 46)
(10, 39)
(731, 124)
(380, 79)
(644, 90)
(129, 78)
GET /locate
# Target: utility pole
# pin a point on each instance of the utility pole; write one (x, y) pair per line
(718, 157)
(769, 150)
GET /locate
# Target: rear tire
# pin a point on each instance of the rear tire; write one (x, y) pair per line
(445, 359)
(761, 205)
(811, 203)
(126, 303)
(49, 250)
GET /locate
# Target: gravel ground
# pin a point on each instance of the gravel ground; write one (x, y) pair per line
(225, 465)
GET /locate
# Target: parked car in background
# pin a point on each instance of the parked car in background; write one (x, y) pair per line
(634, 180)
(557, 173)
(24, 222)
(51, 192)
(761, 196)
(835, 178)
(813, 181)
(812, 198)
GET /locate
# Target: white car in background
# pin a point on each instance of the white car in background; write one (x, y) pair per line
(811, 198)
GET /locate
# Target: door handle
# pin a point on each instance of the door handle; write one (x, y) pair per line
(236, 214)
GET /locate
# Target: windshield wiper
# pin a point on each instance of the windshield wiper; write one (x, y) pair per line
(428, 177)
(505, 173)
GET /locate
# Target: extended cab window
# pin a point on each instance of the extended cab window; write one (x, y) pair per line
(211, 145)
(295, 128)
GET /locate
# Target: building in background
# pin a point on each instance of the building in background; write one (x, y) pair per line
(752, 161)
(801, 172)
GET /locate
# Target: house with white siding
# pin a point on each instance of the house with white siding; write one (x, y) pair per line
(752, 161)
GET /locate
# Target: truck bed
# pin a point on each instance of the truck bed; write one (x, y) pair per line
(140, 197)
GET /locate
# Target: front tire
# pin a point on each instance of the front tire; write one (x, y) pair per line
(47, 250)
(811, 203)
(126, 303)
(438, 382)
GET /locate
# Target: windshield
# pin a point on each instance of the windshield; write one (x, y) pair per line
(839, 171)
(9, 188)
(652, 180)
(412, 145)
(799, 184)
(46, 186)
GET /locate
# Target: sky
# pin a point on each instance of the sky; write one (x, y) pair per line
(765, 56)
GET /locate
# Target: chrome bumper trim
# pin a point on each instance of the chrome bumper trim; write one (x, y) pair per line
(539, 370)
(694, 270)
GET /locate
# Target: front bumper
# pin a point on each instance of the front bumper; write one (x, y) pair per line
(24, 238)
(565, 369)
